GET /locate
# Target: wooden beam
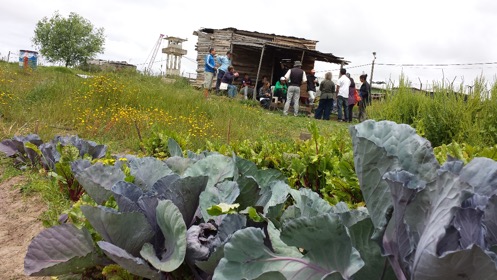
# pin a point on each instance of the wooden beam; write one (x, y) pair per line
(258, 72)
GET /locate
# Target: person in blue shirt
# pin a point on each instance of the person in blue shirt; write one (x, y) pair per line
(209, 70)
(224, 61)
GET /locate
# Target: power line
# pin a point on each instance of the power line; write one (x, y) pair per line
(436, 64)
(470, 65)
(162, 60)
(350, 67)
(190, 59)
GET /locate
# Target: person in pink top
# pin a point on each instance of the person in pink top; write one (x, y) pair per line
(351, 100)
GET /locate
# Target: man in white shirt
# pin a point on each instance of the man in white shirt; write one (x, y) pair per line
(343, 95)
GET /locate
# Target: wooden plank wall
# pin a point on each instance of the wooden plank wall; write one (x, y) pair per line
(247, 61)
(204, 42)
(295, 42)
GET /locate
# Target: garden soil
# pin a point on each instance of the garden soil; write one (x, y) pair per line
(19, 223)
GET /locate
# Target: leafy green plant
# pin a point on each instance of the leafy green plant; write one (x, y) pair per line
(62, 172)
(115, 272)
(324, 163)
(160, 145)
(427, 217)
(464, 152)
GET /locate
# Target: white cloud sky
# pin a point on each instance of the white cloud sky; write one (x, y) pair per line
(400, 32)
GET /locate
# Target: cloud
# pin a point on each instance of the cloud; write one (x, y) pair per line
(423, 31)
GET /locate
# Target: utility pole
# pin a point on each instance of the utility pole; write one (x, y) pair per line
(371, 79)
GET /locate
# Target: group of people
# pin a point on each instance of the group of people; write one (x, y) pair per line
(287, 88)
(345, 95)
(225, 73)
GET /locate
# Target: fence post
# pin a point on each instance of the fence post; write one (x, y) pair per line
(371, 79)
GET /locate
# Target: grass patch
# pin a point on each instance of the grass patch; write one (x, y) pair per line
(8, 170)
(445, 115)
(35, 183)
(50, 193)
(56, 201)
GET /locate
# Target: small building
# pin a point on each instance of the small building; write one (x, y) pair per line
(107, 65)
(259, 54)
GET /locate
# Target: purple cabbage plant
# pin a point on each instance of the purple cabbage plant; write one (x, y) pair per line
(54, 156)
(30, 150)
(163, 224)
(22, 149)
(431, 221)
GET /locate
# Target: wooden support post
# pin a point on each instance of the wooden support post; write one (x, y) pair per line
(272, 73)
(258, 72)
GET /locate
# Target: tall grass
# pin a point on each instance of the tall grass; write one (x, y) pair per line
(445, 115)
(119, 108)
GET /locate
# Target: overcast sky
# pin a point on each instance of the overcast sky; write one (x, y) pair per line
(400, 32)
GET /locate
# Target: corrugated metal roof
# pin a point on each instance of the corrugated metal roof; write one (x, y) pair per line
(211, 30)
(319, 56)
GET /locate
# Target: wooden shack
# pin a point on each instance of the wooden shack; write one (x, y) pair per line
(259, 54)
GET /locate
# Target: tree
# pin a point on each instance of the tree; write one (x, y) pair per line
(71, 40)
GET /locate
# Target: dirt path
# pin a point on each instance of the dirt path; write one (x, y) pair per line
(18, 225)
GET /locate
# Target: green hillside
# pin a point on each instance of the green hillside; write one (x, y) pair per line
(118, 108)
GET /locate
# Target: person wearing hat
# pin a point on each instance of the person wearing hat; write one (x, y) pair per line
(280, 89)
(312, 83)
(295, 77)
(209, 70)
(224, 61)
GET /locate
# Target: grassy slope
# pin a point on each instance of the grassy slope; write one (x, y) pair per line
(112, 107)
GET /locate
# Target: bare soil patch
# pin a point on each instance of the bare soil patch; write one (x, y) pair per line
(19, 223)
